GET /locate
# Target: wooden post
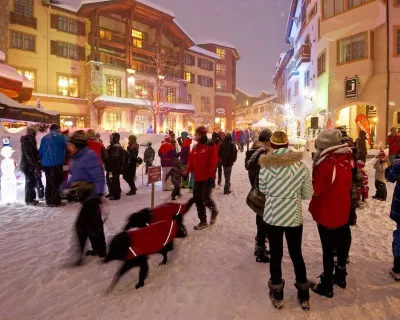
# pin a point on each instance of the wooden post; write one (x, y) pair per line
(97, 35)
(152, 196)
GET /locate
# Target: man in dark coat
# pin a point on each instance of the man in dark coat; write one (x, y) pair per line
(251, 163)
(227, 154)
(30, 165)
(114, 166)
(130, 165)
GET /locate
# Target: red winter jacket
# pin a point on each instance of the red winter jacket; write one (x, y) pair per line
(151, 239)
(203, 161)
(97, 147)
(394, 144)
(332, 179)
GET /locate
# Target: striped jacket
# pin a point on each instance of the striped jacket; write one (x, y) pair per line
(285, 181)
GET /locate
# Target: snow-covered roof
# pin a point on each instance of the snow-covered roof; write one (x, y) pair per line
(14, 104)
(155, 6)
(217, 42)
(45, 95)
(10, 73)
(183, 30)
(205, 52)
(264, 101)
(26, 83)
(144, 103)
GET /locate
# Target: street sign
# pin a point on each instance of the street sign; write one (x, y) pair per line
(154, 174)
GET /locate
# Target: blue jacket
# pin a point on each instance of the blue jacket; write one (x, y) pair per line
(86, 166)
(393, 175)
(242, 137)
(247, 136)
(52, 149)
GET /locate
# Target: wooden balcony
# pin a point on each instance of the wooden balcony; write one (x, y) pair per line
(303, 55)
(111, 60)
(292, 70)
(27, 21)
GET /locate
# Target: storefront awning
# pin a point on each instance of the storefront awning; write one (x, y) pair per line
(131, 103)
(13, 85)
(13, 111)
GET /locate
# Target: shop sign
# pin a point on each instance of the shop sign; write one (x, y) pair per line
(220, 110)
(154, 174)
(351, 88)
(363, 123)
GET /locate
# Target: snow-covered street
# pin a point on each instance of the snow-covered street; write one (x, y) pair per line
(212, 274)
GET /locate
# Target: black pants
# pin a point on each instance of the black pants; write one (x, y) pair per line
(129, 177)
(176, 191)
(227, 176)
(90, 225)
(54, 176)
(293, 239)
(113, 184)
(202, 198)
(248, 145)
(219, 169)
(261, 231)
(241, 147)
(339, 239)
(381, 191)
(30, 185)
(39, 186)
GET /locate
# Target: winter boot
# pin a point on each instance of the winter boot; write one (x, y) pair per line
(394, 275)
(395, 271)
(262, 254)
(276, 293)
(324, 288)
(201, 226)
(131, 192)
(214, 215)
(339, 278)
(303, 294)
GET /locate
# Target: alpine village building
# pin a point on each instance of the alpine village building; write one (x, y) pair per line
(344, 62)
(114, 65)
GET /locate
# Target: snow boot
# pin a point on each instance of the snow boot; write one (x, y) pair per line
(276, 293)
(201, 226)
(303, 294)
(214, 215)
(339, 278)
(324, 287)
(395, 271)
(131, 192)
(394, 275)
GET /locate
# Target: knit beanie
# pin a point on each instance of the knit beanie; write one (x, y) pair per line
(265, 135)
(30, 131)
(328, 138)
(90, 134)
(184, 134)
(78, 138)
(279, 139)
(202, 132)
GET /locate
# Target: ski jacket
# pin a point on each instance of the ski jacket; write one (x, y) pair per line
(132, 156)
(52, 150)
(251, 162)
(149, 155)
(203, 161)
(380, 167)
(30, 161)
(332, 182)
(98, 148)
(285, 181)
(242, 137)
(167, 153)
(85, 166)
(185, 150)
(151, 239)
(176, 172)
(227, 152)
(394, 144)
(393, 175)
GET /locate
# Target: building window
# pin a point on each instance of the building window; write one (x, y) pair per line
(221, 53)
(68, 86)
(307, 78)
(205, 104)
(321, 64)
(221, 69)
(63, 49)
(30, 74)
(205, 81)
(22, 41)
(221, 85)
(356, 3)
(296, 88)
(62, 24)
(113, 87)
(352, 48)
(169, 94)
(67, 50)
(189, 77)
(24, 7)
(170, 123)
(397, 40)
(335, 7)
(114, 120)
(104, 34)
(72, 121)
(67, 25)
(138, 38)
(189, 60)
(143, 90)
(73, 51)
(137, 34)
(205, 64)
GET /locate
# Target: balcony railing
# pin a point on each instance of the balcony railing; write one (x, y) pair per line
(292, 70)
(112, 60)
(27, 21)
(303, 55)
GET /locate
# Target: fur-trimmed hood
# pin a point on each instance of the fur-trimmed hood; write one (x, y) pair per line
(280, 158)
(337, 150)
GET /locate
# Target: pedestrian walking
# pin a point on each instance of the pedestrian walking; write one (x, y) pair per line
(185, 143)
(130, 165)
(148, 157)
(167, 153)
(361, 143)
(176, 173)
(227, 157)
(114, 166)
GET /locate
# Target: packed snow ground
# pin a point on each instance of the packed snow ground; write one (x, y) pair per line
(212, 274)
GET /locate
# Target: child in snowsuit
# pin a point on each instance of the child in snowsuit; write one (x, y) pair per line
(380, 182)
(149, 155)
(363, 192)
(176, 174)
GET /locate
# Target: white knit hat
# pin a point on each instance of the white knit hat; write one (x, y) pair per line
(328, 138)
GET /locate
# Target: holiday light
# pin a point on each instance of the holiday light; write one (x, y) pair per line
(8, 179)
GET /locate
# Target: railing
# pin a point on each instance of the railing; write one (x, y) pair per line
(23, 20)
(115, 61)
(303, 54)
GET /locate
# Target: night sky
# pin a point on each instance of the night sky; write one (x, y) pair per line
(255, 27)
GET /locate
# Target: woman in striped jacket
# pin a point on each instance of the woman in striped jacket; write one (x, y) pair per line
(285, 181)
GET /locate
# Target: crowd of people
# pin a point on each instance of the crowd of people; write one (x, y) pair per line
(279, 181)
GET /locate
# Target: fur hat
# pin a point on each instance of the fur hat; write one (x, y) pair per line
(30, 131)
(328, 138)
(279, 139)
(90, 134)
(78, 138)
(265, 135)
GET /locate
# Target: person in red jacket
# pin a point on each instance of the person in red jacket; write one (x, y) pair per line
(203, 162)
(95, 145)
(393, 141)
(330, 206)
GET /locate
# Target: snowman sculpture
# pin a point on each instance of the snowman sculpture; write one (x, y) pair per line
(8, 179)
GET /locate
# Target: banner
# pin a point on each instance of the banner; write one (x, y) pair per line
(363, 124)
(329, 122)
